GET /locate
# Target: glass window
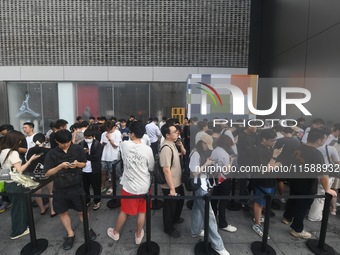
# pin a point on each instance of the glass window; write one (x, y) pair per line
(34, 102)
(122, 99)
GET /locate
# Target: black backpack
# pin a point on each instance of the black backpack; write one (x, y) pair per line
(159, 174)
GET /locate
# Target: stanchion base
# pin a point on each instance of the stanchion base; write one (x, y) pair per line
(313, 246)
(233, 206)
(200, 249)
(95, 249)
(113, 203)
(156, 204)
(190, 204)
(28, 249)
(143, 249)
(256, 248)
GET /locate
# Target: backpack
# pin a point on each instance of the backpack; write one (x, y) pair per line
(187, 179)
(159, 174)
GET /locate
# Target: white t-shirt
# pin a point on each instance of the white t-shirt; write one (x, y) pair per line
(88, 167)
(153, 131)
(332, 152)
(110, 153)
(138, 162)
(194, 165)
(10, 161)
(146, 140)
(29, 140)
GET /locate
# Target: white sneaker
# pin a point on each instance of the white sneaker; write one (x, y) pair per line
(261, 219)
(200, 234)
(303, 234)
(230, 229)
(223, 252)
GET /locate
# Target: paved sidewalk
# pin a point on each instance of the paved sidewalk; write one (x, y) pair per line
(236, 243)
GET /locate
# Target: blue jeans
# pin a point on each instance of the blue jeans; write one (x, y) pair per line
(197, 221)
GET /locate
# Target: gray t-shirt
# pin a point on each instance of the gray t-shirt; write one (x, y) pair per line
(138, 162)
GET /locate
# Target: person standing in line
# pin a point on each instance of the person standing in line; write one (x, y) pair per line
(65, 163)
(136, 180)
(170, 162)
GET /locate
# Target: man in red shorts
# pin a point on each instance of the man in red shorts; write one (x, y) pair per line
(138, 162)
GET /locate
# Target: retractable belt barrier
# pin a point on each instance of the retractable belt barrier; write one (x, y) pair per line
(38, 246)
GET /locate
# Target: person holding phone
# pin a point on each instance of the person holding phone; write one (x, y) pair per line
(199, 160)
(37, 168)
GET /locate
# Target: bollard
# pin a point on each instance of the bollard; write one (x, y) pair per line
(89, 247)
(36, 246)
(114, 202)
(320, 247)
(262, 248)
(156, 203)
(233, 206)
(204, 248)
(148, 247)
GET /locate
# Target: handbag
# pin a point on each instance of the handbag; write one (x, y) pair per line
(23, 180)
(118, 166)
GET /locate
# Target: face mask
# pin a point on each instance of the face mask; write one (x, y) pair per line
(89, 140)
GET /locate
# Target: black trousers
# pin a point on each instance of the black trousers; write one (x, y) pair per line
(296, 210)
(223, 189)
(172, 209)
(94, 180)
(154, 147)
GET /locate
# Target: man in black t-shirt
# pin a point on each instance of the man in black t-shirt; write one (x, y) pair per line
(303, 157)
(265, 155)
(65, 163)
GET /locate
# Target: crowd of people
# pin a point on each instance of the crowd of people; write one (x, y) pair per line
(82, 159)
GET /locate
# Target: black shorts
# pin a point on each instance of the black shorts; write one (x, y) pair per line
(63, 200)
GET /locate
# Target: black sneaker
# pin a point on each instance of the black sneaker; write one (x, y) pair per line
(68, 243)
(174, 234)
(180, 221)
(93, 235)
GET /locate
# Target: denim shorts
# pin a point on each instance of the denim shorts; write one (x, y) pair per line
(258, 192)
(107, 166)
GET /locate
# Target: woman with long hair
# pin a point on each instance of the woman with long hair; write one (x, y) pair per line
(9, 158)
(199, 161)
(222, 157)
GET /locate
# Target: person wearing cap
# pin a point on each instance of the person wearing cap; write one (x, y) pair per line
(199, 160)
(170, 162)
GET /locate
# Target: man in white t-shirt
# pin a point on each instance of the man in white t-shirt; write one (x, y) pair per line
(154, 133)
(111, 140)
(138, 163)
(28, 128)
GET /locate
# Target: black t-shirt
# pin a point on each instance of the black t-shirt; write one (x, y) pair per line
(39, 162)
(246, 146)
(305, 155)
(57, 156)
(52, 140)
(263, 156)
(290, 145)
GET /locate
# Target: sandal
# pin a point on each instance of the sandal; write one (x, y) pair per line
(44, 212)
(110, 233)
(333, 211)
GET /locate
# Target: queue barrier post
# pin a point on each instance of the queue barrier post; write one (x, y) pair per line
(149, 247)
(36, 246)
(89, 247)
(262, 248)
(204, 247)
(114, 202)
(319, 246)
